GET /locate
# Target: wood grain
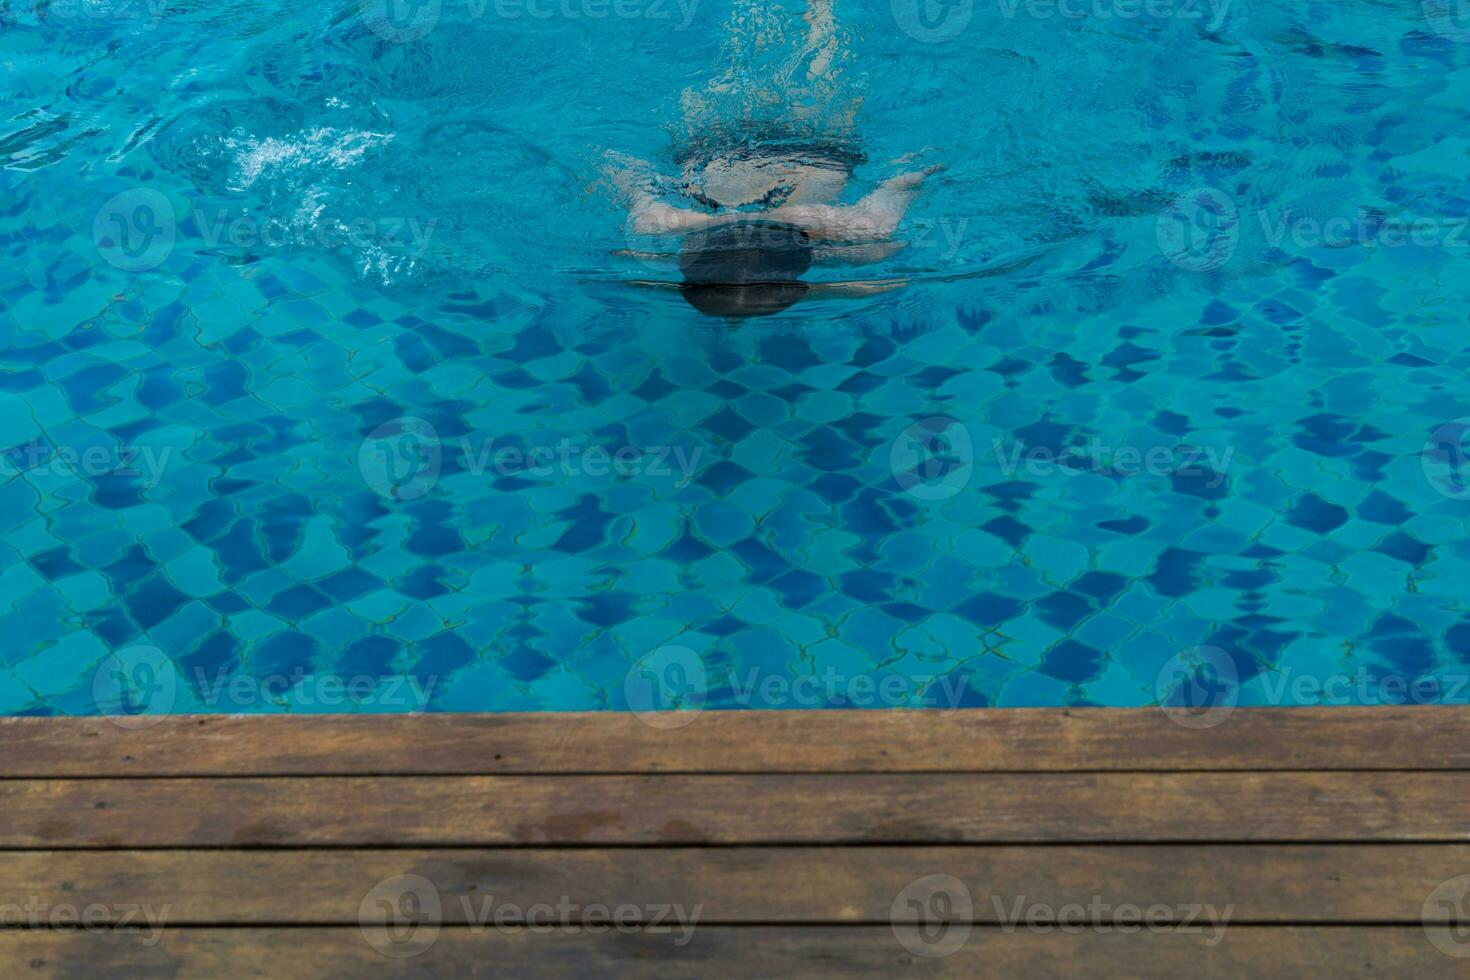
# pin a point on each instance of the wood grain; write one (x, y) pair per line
(860, 951)
(260, 839)
(811, 885)
(971, 740)
(772, 809)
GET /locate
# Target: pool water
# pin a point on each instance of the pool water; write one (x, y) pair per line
(328, 383)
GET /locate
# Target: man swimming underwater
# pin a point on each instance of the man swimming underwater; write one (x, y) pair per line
(756, 205)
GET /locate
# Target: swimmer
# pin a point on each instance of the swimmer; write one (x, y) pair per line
(756, 205)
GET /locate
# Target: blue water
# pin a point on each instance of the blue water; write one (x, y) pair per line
(324, 385)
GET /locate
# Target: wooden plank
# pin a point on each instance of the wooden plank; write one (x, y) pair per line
(863, 951)
(999, 740)
(808, 885)
(793, 809)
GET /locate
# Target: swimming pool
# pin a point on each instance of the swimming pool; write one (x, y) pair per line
(326, 385)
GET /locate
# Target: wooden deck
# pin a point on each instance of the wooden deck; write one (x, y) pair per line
(1286, 842)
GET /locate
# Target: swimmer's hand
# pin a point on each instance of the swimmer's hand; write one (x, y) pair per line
(631, 176)
(636, 181)
(913, 156)
(875, 218)
(912, 179)
(657, 218)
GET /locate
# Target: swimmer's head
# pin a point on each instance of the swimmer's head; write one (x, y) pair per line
(749, 268)
(743, 252)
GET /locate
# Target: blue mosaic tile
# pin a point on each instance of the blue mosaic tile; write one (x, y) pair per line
(489, 474)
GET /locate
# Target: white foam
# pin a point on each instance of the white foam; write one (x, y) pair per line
(339, 149)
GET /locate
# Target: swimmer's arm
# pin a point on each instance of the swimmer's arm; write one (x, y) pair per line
(866, 253)
(854, 290)
(657, 259)
(873, 219)
(647, 215)
(652, 217)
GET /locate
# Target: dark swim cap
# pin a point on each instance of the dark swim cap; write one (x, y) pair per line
(746, 252)
(750, 268)
(756, 299)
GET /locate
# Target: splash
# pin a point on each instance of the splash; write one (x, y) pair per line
(782, 69)
(316, 148)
